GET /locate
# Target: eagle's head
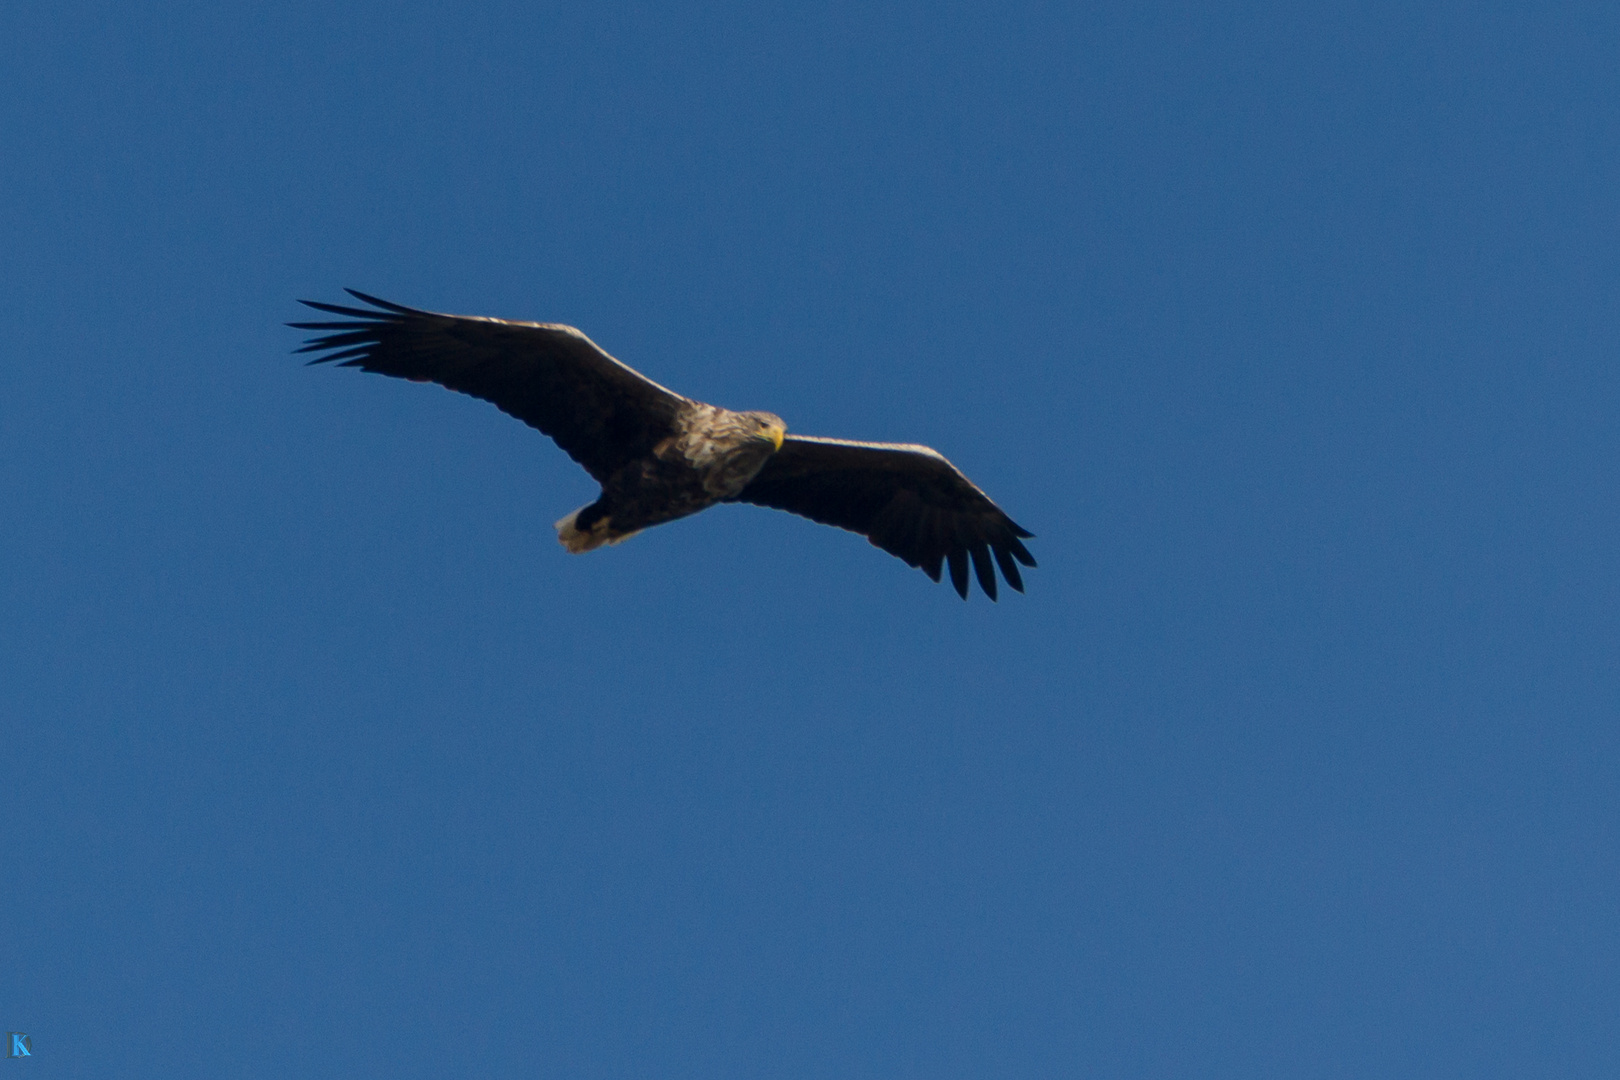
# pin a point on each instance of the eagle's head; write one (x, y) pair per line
(766, 426)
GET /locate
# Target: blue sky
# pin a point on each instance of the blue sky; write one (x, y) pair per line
(1289, 331)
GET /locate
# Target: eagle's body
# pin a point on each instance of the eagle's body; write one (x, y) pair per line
(660, 456)
(711, 457)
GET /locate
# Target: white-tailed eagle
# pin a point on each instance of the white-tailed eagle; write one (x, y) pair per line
(660, 456)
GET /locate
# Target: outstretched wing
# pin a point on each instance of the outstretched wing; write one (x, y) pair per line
(552, 377)
(908, 500)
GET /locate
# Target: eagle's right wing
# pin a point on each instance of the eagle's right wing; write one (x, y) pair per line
(552, 377)
(908, 500)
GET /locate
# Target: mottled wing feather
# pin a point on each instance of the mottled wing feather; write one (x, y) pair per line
(552, 377)
(908, 500)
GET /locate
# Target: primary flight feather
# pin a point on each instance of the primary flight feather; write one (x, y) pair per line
(660, 456)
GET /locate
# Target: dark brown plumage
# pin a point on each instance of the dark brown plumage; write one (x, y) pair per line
(660, 456)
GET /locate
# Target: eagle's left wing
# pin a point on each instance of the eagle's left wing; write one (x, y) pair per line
(908, 500)
(603, 413)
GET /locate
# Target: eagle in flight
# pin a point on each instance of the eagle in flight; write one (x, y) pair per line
(660, 456)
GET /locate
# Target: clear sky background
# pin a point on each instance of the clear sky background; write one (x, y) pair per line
(1290, 331)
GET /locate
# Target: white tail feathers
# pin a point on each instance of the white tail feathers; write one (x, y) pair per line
(578, 541)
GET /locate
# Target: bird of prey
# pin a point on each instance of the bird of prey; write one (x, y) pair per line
(660, 456)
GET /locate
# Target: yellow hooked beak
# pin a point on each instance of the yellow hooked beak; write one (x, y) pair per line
(777, 431)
